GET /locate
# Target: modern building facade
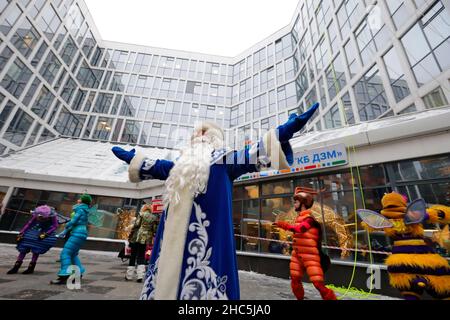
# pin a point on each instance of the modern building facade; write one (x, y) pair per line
(364, 61)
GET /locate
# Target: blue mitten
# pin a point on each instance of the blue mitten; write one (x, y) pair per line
(295, 123)
(123, 155)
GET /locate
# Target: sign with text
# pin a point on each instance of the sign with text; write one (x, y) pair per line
(308, 160)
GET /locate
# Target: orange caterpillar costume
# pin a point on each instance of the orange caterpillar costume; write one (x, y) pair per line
(307, 254)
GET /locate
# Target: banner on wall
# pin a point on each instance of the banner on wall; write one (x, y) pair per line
(308, 160)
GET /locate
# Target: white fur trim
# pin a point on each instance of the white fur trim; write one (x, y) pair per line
(135, 167)
(273, 150)
(172, 248)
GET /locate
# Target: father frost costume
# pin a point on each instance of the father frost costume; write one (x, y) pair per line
(194, 254)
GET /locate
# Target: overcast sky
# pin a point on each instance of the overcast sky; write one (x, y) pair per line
(221, 27)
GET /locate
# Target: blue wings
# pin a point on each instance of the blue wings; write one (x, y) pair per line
(415, 212)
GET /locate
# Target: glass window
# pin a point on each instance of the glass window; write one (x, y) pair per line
(435, 193)
(347, 103)
(3, 5)
(287, 96)
(77, 103)
(142, 63)
(25, 38)
(246, 192)
(50, 67)
(260, 106)
(31, 91)
(396, 75)
(323, 14)
(60, 38)
(280, 208)
(9, 19)
(119, 81)
(130, 105)
(399, 12)
(428, 168)
(90, 124)
(284, 46)
(350, 53)
(90, 101)
(4, 115)
(4, 57)
(81, 34)
(69, 90)
(180, 68)
(103, 103)
(145, 132)
(409, 109)
(259, 60)
(89, 78)
(156, 109)
(158, 135)
(106, 80)
(335, 77)
(322, 55)
(39, 54)
(18, 128)
(43, 102)
(172, 111)
(333, 36)
(435, 99)
(49, 22)
(131, 131)
(333, 118)
(16, 79)
(89, 44)
(36, 7)
(267, 79)
(342, 203)
(370, 39)
(426, 48)
(69, 124)
(370, 96)
(119, 60)
(280, 187)
(349, 15)
(33, 135)
(117, 129)
(373, 176)
(97, 56)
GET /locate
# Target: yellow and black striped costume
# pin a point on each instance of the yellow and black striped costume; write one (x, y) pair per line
(414, 267)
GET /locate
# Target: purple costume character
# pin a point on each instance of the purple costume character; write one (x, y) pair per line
(37, 236)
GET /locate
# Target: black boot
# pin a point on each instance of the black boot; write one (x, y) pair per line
(60, 280)
(15, 268)
(30, 268)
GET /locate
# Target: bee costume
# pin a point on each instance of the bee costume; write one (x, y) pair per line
(413, 267)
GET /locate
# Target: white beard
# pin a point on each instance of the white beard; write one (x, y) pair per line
(191, 170)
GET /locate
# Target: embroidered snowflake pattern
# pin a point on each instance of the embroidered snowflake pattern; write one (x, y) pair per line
(148, 291)
(200, 280)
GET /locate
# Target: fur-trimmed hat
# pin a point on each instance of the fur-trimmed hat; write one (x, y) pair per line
(210, 129)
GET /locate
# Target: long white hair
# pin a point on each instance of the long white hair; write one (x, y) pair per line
(191, 170)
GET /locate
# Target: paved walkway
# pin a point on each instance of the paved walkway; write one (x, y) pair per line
(104, 280)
